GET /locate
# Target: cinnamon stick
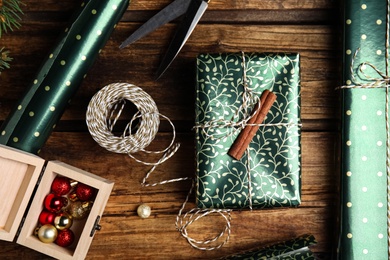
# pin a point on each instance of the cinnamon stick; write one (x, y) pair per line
(245, 137)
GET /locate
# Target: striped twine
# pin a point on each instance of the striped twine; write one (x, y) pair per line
(104, 110)
(103, 113)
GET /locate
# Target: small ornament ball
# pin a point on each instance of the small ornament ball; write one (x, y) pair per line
(84, 192)
(54, 203)
(63, 221)
(144, 211)
(79, 209)
(47, 233)
(61, 186)
(65, 238)
(46, 217)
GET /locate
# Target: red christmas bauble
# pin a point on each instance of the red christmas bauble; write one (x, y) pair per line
(84, 192)
(61, 186)
(65, 238)
(55, 203)
(46, 217)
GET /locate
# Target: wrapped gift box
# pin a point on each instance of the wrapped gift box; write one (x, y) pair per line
(35, 115)
(274, 161)
(297, 248)
(26, 177)
(364, 177)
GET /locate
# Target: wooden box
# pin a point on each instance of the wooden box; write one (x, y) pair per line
(24, 176)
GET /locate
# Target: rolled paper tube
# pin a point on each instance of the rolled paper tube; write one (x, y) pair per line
(296, 248)
(30, 124)
(246, 135)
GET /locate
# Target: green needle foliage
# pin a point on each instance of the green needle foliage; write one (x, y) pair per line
(4, 59)
(9, 19)
(9, 15)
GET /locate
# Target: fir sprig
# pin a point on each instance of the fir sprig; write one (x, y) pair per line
(9, 15)
(4, 59)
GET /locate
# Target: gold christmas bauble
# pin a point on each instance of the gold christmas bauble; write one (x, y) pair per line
(63, 221)
(79, 209)
(47, 233)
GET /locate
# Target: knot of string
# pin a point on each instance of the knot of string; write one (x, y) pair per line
(368, 81)
(243, 113)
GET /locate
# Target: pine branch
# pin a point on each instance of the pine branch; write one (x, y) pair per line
(9, 15)
(4, 59)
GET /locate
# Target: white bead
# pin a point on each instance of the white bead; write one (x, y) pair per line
(143, 211)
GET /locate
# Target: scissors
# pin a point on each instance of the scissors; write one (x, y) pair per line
(193, 10)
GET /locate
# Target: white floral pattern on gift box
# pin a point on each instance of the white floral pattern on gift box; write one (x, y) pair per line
(274, 153)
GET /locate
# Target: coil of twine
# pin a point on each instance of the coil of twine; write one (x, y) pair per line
(104, 110)
(102, 114)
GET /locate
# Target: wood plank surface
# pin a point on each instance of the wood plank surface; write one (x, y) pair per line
(310, 27)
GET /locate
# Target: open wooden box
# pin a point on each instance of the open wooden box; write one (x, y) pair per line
(24, 176)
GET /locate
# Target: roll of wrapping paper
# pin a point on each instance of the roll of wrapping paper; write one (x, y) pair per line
(297, 248)
(364, 218)
(30, 124)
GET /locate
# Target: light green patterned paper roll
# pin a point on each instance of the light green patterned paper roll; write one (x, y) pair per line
(364, 217)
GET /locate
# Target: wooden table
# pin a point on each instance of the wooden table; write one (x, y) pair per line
(308, 27)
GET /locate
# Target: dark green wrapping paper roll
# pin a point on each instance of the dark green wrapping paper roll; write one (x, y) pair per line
(364, 195)
(30, 124)
(274, 165)
(294, 249)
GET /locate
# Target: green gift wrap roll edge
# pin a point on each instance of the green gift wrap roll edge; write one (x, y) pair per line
(364, 195)
(296, 248)
(31, 122)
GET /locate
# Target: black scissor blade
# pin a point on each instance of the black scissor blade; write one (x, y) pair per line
(195, 11)
(169, 13)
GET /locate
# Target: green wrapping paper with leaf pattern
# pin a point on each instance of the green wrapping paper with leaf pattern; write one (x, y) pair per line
(274, 162)
(364, 194)
(30, 124)
(294, 249)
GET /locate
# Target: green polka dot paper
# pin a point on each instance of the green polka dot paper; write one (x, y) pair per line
(36, 114)
(294, 249)
(269, 173)
(363, 219)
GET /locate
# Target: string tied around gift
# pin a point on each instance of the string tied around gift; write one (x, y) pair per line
(370, 83)
(246, 115)
(243, 112)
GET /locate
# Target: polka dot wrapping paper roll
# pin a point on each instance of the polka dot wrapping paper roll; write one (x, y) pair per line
(296, 248)
(365, 133)
(31, 122)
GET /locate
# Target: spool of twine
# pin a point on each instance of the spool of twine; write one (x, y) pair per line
(104, 111)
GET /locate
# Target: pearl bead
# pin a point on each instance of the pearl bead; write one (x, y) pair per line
(143, 211)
